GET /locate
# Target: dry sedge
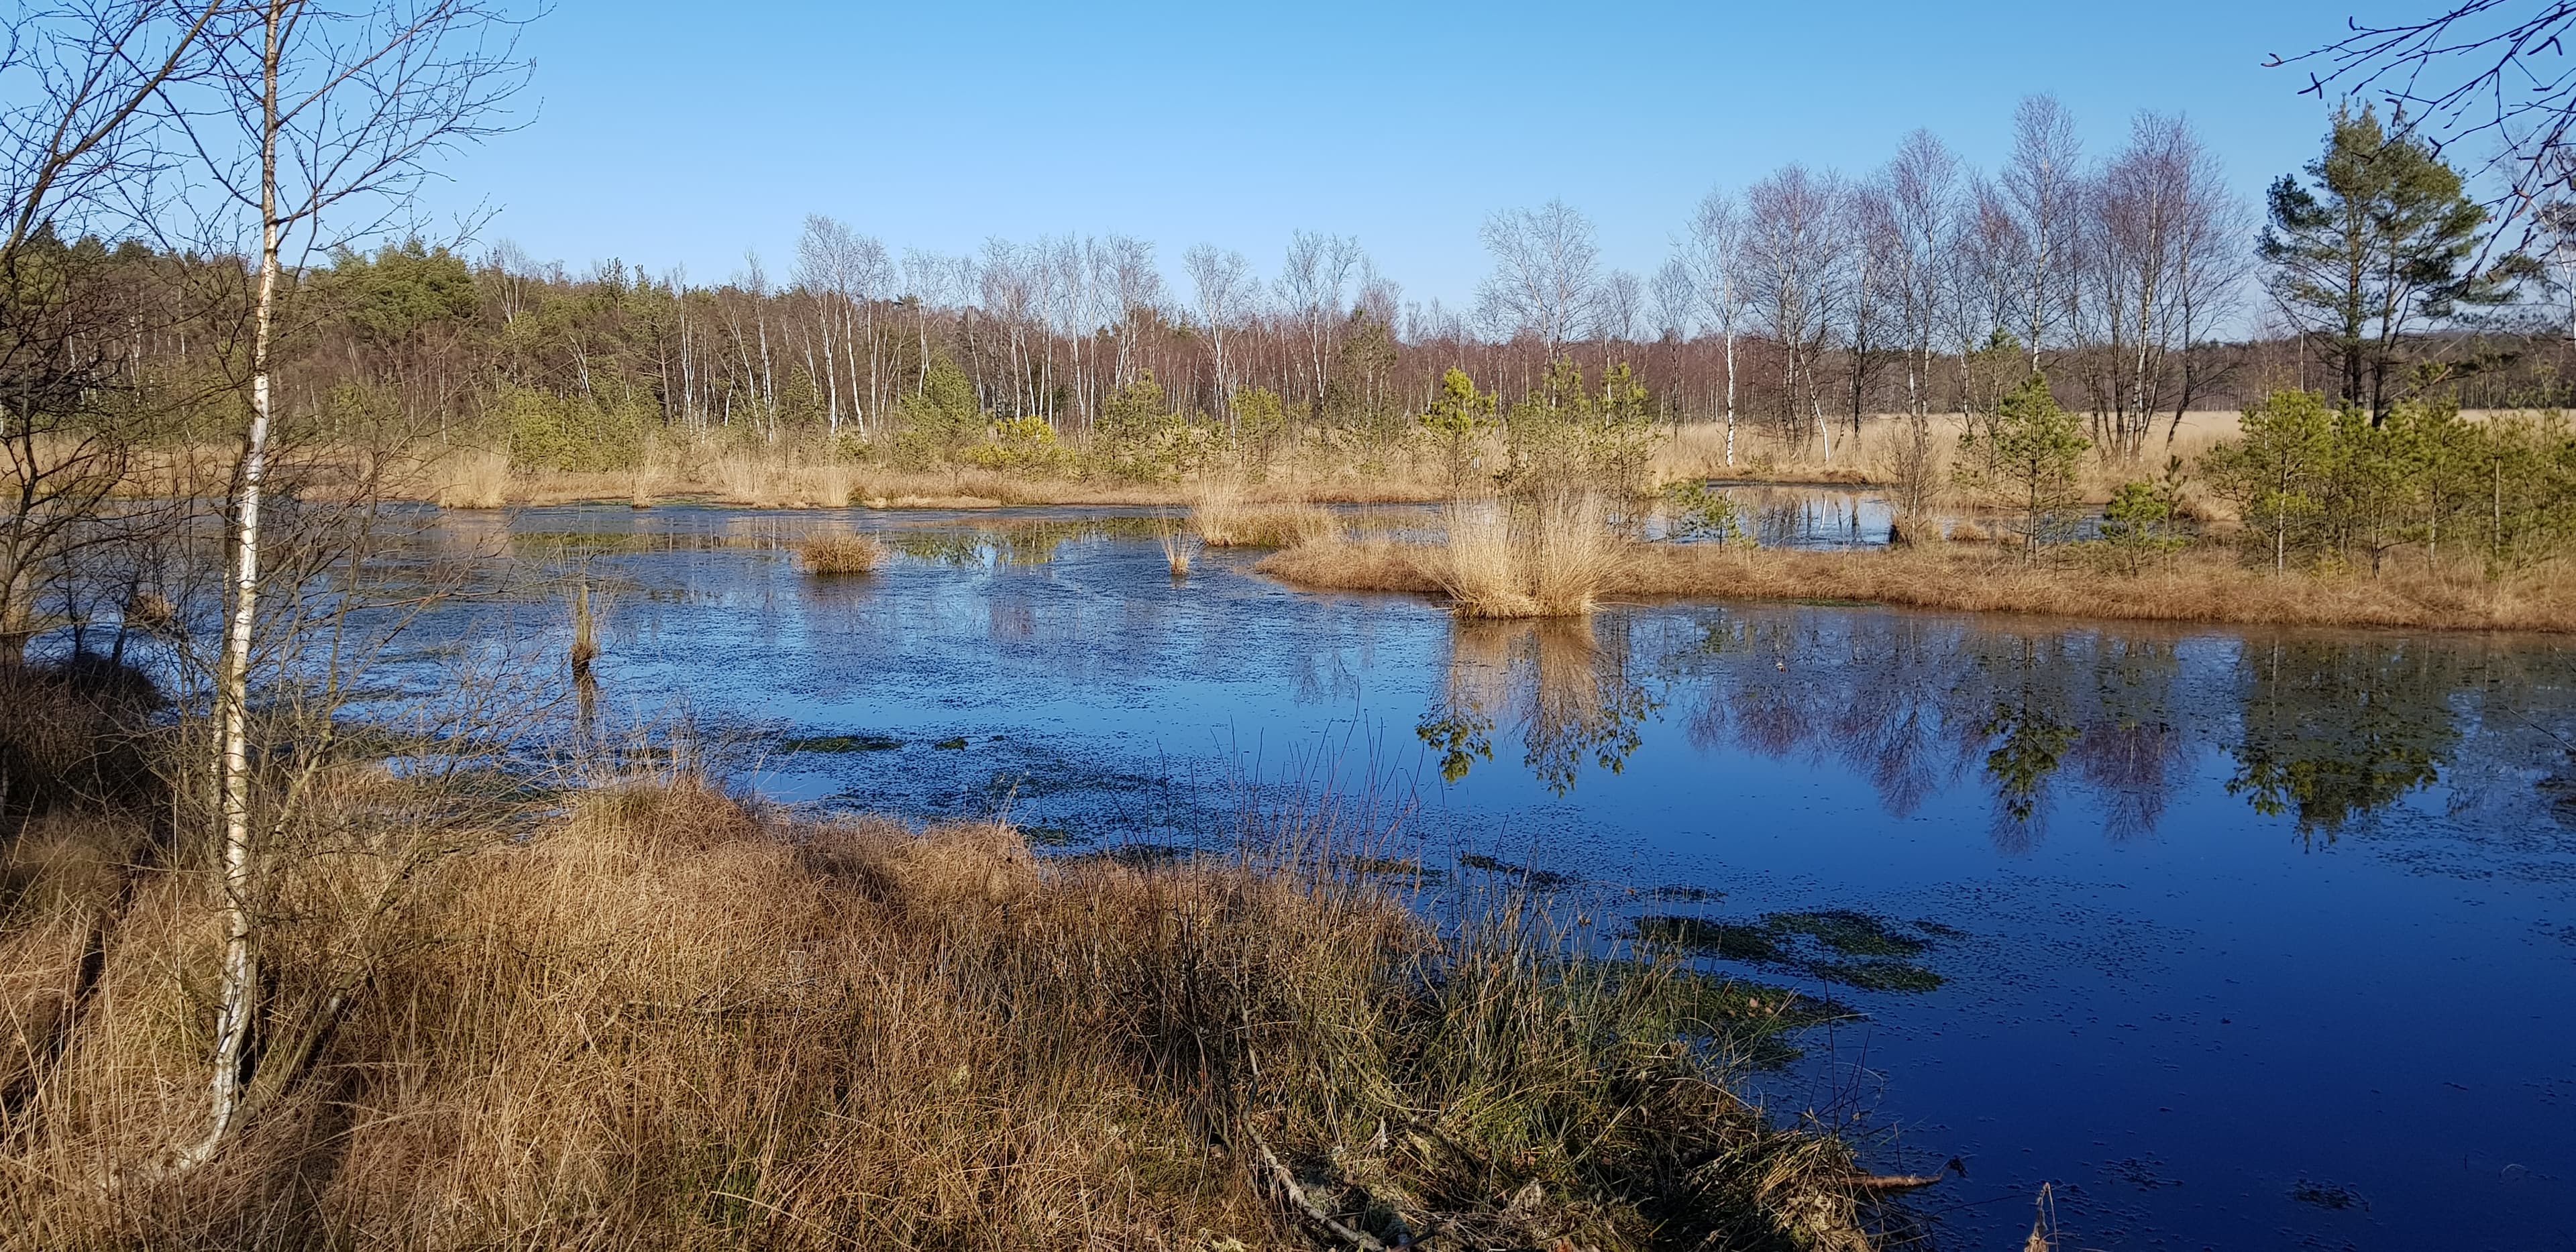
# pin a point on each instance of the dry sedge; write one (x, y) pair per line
(841, 554)
(1224, 518)
(669, 1022)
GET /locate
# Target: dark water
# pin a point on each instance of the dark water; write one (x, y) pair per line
(2239, 938)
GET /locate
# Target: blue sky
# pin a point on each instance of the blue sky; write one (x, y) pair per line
(660, 134)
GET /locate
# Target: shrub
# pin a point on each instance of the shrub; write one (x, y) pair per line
(573, 434)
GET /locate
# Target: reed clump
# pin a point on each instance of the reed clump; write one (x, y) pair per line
(1179, 547)
(841, 553)
(671, 1021)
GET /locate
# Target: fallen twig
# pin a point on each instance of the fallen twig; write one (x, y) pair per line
(1314, 1212)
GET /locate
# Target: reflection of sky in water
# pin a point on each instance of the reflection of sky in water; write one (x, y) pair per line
(2241, 911)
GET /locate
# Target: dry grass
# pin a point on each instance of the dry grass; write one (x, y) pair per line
(468, 479)
(1698, 450)
(841, 553)
(1178, 547)
(1519, 559)
(1224, 516)
(2205, 586)
(668, 1022)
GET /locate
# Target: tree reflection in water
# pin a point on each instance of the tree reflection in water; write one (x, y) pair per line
(1563, 686)
(2321, 729)
(2336, 730)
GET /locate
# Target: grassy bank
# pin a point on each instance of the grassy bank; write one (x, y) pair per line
(668, 1021)
(2200, 586)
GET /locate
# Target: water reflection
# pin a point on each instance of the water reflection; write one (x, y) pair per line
(1564, 687)
(2335, 731)
(2323, 730)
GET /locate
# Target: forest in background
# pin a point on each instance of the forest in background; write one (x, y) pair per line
(1799, 307)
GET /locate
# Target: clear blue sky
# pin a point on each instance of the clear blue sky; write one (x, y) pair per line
(667, 133)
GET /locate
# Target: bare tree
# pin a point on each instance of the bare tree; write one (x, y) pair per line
(2154, 249)
(1616, 314)
(1714, 256)
(1226, 292)
(2040, 182)
(1543, 285)
(1871, 289)
(2473, 70)
(81, 146)
(323, 122)
(1793, 249)
(1923, 190)
(1311, 287)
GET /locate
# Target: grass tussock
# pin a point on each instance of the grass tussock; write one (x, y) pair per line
(2195, 587)
(1505, 559)
(841, 554)
(670, 1022)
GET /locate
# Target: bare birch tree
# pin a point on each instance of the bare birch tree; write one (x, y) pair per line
(1714, 256)
(323, 123)
(1793, 247)
(2041, 182)
(1225, 286)
(1543, 284)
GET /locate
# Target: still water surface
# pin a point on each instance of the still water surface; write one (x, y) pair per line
(2240, 938)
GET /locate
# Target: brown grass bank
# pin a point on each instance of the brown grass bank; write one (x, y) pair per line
(670, 1022)
(2201, 586)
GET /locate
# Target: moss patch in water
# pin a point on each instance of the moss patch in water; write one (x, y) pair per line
(1687, 895)
(1731, 941)
(1391, 867)
(2327, 1195)
(1849, 932)
(1844, 946)
(1881, 975)
(1544, 879)
(842, 743)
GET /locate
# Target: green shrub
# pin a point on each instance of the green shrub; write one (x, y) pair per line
(575, 434)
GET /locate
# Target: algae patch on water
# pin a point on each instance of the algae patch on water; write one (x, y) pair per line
(1843, 946)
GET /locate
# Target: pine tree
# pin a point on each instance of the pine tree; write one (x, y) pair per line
(2385, 237)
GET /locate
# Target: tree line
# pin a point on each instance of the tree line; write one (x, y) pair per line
(1802, 304)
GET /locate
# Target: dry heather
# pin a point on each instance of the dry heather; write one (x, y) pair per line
(2204, 586)
(670, 1023)
(832, 554)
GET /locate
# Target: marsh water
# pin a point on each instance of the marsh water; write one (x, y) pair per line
(2238, 938)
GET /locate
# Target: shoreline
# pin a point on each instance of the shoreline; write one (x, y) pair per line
(2198, 587)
